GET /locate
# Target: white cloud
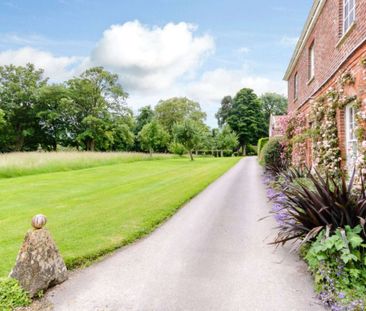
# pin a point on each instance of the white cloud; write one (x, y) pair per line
(214, 85)
(153, 63)
(151, 58)
(243, 50)
(210, 88)
(40, 42)
(57, 68)
(16, 39)
(289, 41)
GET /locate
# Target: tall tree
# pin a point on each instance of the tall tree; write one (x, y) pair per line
(273, 104)
(145, 116)
(224, 110)
(2, 120)
(55, 114)
(188, 133)
(19, 87)
(122, 131)
(153, 137)
(176, 110)
(96, 95)
(246, 118)
(227, 139)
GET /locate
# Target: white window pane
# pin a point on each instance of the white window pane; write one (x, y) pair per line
(352, 16)
(350, 115)
(349, 14)
(351, 140)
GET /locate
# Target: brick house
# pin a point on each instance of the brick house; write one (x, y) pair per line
(275, 125)
(332, 43)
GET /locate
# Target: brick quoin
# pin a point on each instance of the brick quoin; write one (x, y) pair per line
(335, 54)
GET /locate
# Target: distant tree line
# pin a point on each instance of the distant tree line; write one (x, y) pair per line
(248, 115)
(89, 112)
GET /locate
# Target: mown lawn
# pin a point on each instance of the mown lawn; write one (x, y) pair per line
(94, 211)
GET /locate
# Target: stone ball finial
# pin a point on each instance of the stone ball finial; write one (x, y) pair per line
(39, 221)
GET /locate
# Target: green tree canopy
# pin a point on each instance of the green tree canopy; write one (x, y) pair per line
(2, 120)
(153, 137)
(227, 139)
(189, 134)
(55, 114)
(97, 97)
(176, 110)
(19, 88)
(246, 118)
(123, 137)
(145, 116)
(224, 110)
(273, 104)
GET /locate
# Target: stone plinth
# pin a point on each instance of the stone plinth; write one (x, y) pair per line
(39, 264)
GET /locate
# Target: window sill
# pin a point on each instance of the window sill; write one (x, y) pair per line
(310, 80)
(345, 35)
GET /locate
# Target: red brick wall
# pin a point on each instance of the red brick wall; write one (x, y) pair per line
(354, 66)
(329, 55)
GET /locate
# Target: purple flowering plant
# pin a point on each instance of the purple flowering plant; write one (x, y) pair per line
(338, 263)
(335, 253)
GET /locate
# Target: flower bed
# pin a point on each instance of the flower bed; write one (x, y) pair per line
(336, 258)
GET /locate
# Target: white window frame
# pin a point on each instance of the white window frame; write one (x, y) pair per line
(351, 138)
(349, 14)
(296, 85)
(312, 61)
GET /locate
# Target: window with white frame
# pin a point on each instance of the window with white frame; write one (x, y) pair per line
(351, 139)
(296, 85)
(312, 61)
(349, 14)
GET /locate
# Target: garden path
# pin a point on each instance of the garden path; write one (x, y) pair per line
(212, 255)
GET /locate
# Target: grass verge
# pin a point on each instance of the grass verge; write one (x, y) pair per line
(33, 163)
(94, 211)
(12, 295)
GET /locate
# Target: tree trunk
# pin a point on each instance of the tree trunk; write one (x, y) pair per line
(151, 152)
(92, 145)
(244, 149)
(222, 153)
(191, 155)
(19, 143)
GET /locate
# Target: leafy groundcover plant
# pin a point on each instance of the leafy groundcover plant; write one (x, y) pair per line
(338, 264)
(12, 295)
(327, 216)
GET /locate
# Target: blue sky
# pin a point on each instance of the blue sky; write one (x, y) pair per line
(160, 48)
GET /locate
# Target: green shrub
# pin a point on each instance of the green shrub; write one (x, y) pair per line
(228, 153)
(12, 295)
(251, 150)
(177, 148)
(338, 264)
(261, 143)
(329, 204)
(272, 151)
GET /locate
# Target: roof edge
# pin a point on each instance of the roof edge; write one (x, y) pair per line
(309, 25)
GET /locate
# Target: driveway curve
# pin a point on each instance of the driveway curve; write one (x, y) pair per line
(212, 255)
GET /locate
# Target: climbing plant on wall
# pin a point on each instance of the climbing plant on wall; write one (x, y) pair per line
(296, 135)
(320, 125)
(326, 151)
